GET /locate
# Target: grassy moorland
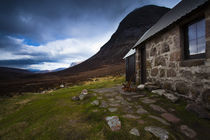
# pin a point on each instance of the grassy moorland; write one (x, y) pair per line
(54, 115)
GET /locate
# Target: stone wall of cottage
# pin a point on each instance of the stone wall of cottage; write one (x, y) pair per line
(166, 67)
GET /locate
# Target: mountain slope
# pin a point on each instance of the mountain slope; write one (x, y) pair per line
(130, 29)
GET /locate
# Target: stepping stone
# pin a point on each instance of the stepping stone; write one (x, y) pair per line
(188, 131)
(130, 116)
(159, 119)
(199, 110)
(159, 91)
(134, 131)
(109, 95)
(127, 109)
(140, 110)
(103, 104)
(158, 132)
(112, 109)
(141, 122)
(99, 97)
(148, 101)
(114, 123)
(138, 96)
(170, 117)
(95, 102)
(171, 97)
(157, 108)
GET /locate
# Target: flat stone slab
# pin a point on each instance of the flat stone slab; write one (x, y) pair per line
(157, 108)
(188, 131)
(171, 97)
(95, 102)
(127, 109)
(148, 101)
(112, 109)
(159, 119)
(103, 104)
(170, 117)
(113, 122)
(159, 91)
(141, 110)
(158, 132)
(130, 116)
(134, 131)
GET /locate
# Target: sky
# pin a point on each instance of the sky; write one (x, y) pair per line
(51, 34)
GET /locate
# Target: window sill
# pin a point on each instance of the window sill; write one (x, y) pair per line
(192, 62)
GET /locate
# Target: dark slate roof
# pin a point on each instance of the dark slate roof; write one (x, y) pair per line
(131, 52)
(181, 9)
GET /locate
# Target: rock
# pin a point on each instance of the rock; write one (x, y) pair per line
(95, 110)
(151, 87)
(158, 132)
(99, 97)
(103, 104)
(119, 98)
(111, 99)
(134, 131)
(82, 96)
(114, 123)
(159, 119)
(171, 97)
(84, 91)
(114, 104)
(75, 98)
(141, 87)
(95, 102)
(130, 116)
(140, 121)
(157, 108)
(170, 117)
(188, 131)
(199, 110)
(112, 109)
(148, 101)
(138, 96)
(140, 110)
(159, 91)
(61, 86)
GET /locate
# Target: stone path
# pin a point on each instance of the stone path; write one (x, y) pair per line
(132, 106)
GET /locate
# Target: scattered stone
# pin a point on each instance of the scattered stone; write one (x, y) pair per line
(188, 131)
(170, 117)
(130, 116)
(103, 104)
(199, 110)
(140, 121)
(134, 131)
(140, 110)
(159, 92)
(148, 101)
(141, 87)
(95, 102)
(159, 119)
(84, 91)
(114, 123)
(171, 97)
(158, 132)
(75, 98)
(61, 86)
(112, 109)
(157, 108)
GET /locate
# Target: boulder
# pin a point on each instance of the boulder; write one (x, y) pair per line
(134, 131)
(114, 123)
(188, 131)
(158, 132)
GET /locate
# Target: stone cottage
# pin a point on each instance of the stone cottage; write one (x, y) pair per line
(175, 53)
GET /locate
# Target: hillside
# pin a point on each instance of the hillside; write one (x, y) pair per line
(108, 61)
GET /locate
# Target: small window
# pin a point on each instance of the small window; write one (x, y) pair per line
(196, 40)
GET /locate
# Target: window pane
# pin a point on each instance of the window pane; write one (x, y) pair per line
(201, 28)
(192, 31)
(201, 45)
(192, 47)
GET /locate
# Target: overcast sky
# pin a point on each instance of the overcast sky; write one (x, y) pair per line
(49, 34)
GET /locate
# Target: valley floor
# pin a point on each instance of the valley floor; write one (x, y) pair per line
(54, 115)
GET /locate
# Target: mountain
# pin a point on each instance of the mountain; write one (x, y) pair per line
(108, 61)
(130, 29)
